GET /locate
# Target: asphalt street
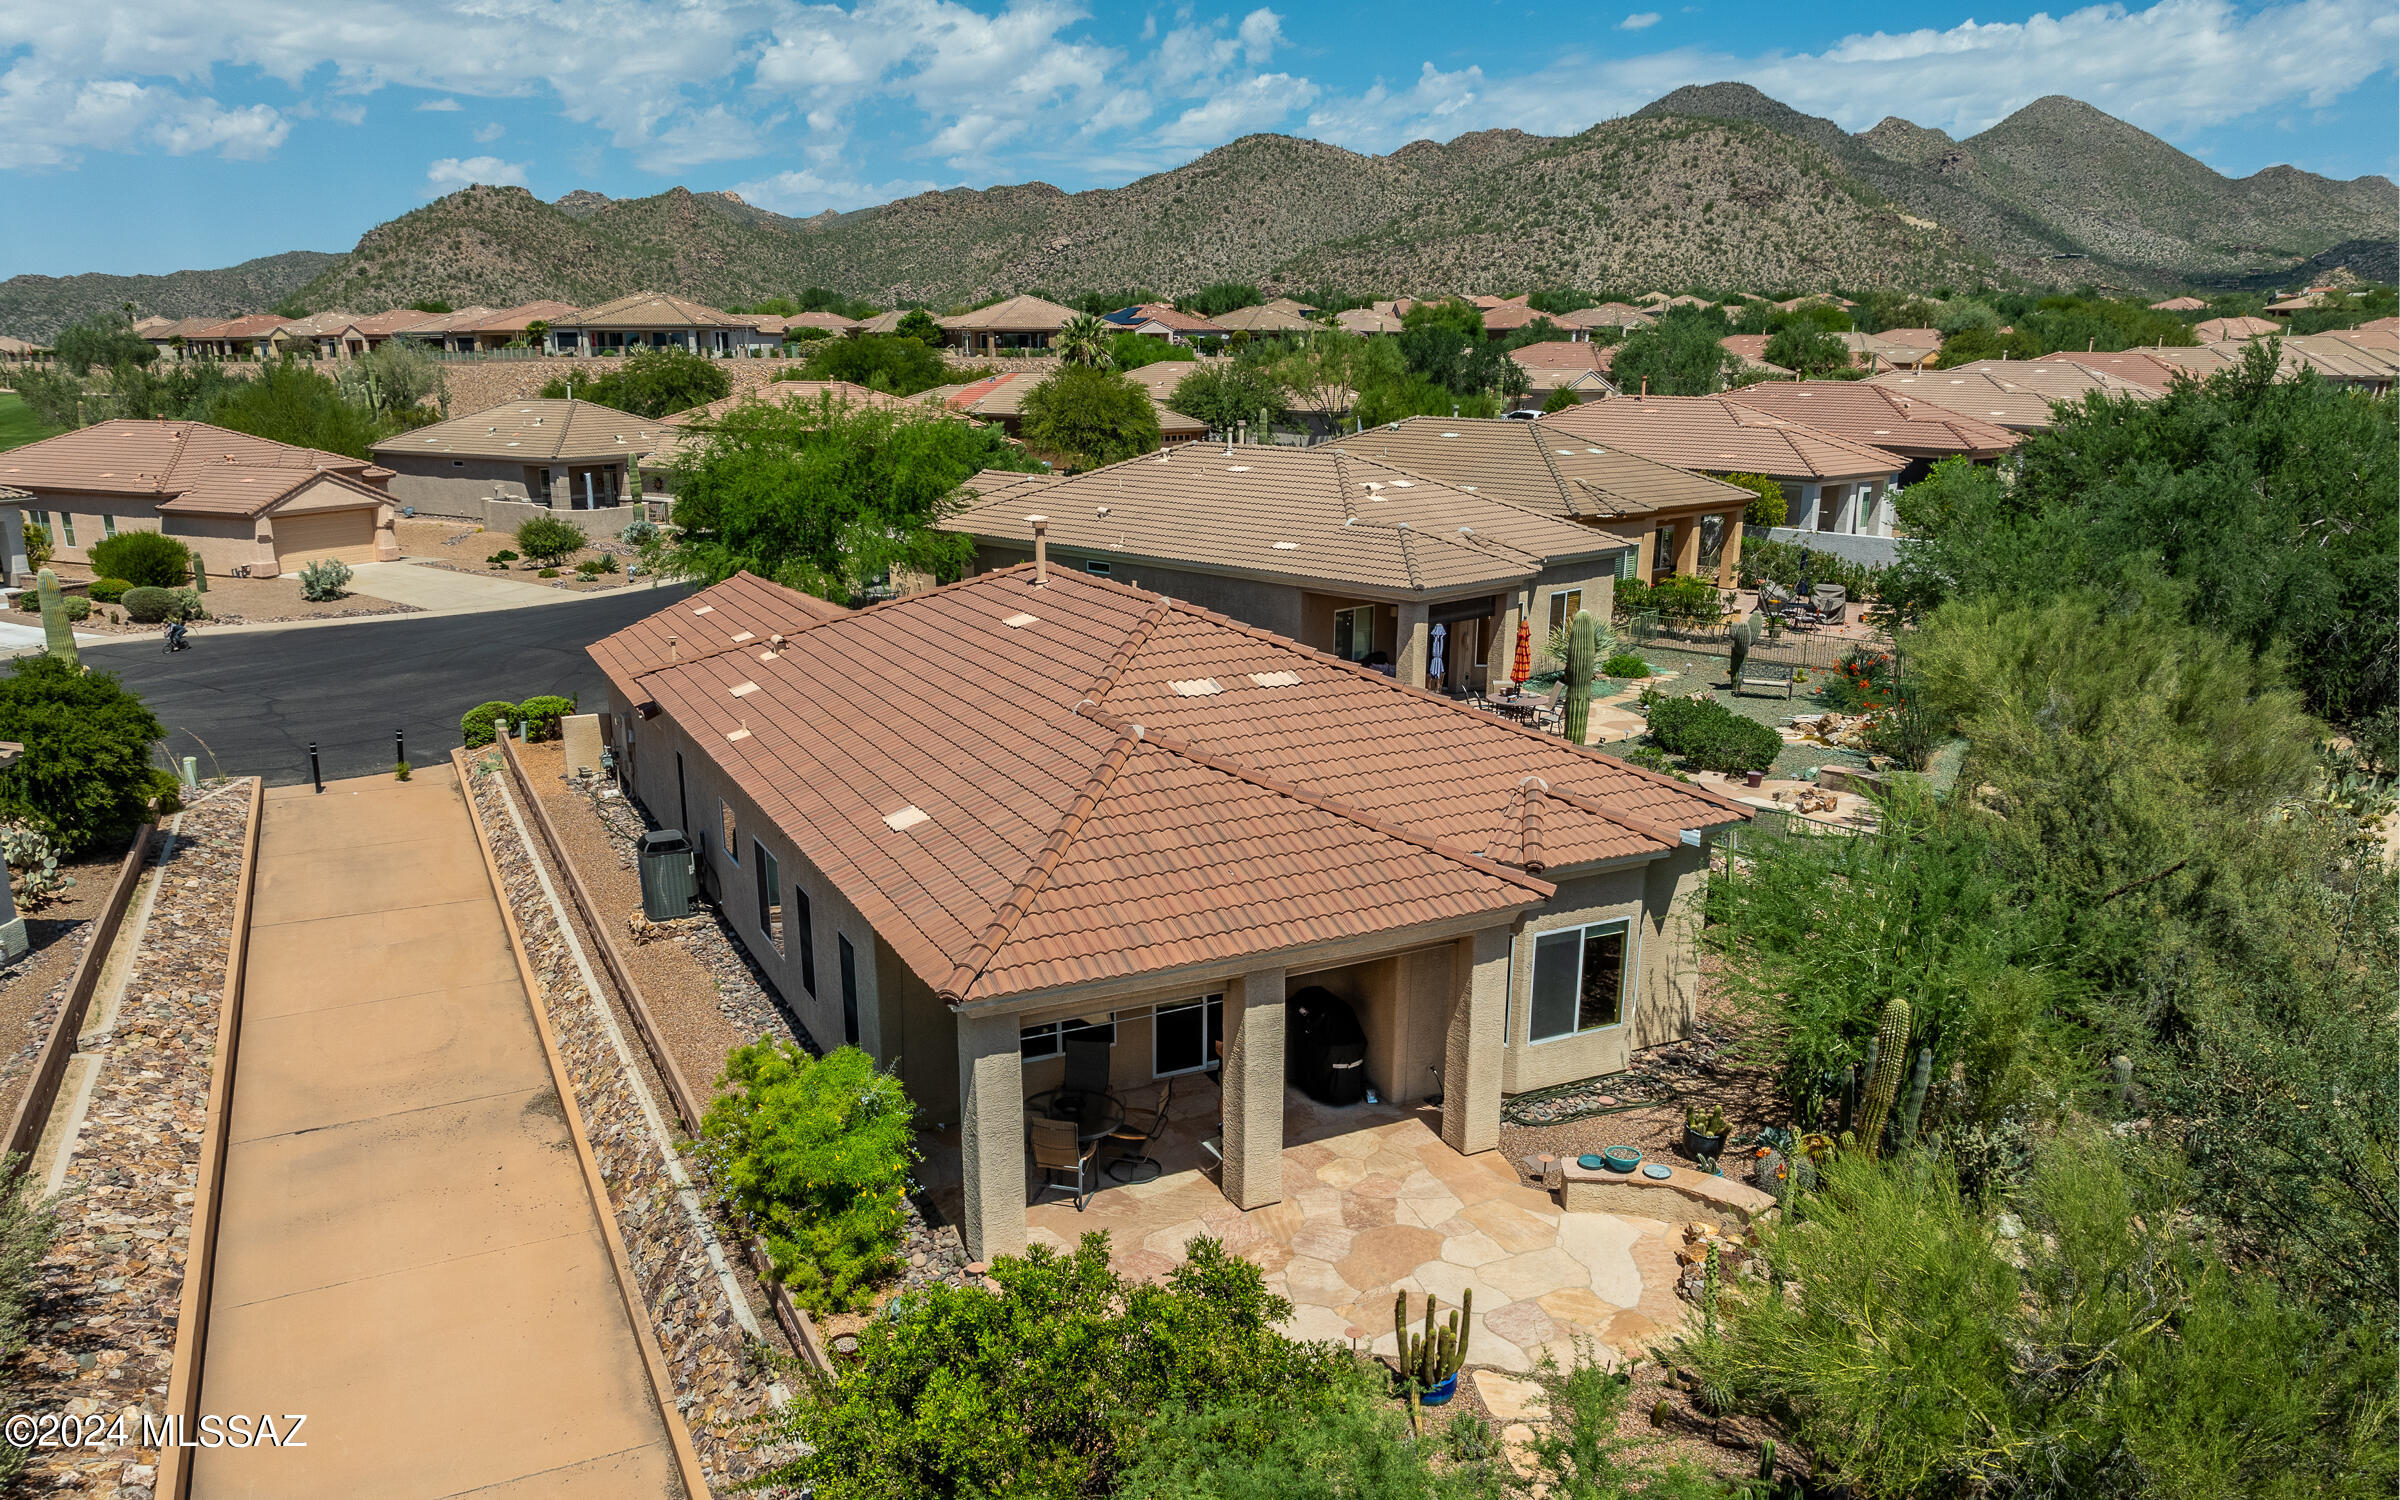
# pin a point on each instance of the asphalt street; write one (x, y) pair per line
(249, 704)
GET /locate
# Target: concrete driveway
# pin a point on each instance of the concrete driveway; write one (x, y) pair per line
(428, 587)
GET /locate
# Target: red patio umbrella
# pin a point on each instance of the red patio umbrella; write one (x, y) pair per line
(1523, 667)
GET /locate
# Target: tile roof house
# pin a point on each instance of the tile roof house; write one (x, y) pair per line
(1099, 813)
(239, 502)
(1580, 323)
(1348, 554)
(244, 337)
(2213, 330)
(1751, 350)
(572, 457)
(175, 339)
(1164, 320)
(1830, 484)
(2178, 304)
(1564, 365)
(372, 331)
(1001, 398)
(1364, 320)
(1268, 318)
(1919, 432)
(653, 320)
(2015, 394)
(1013, 323)
(510, 325)
(1664, 519)
(1893, 349)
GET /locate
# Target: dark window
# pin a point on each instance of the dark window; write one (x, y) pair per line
(1184, 1038)
(770, 894)
(1578, 980)
(732, 836)
(683, 812)
(849, 991)
(808, 940)
(1096, 566)
(1050, 1038)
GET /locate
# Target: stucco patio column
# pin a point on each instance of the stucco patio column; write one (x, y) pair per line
(1729, 556)
(1413, 643)
(1478, 1031)
(991, 1135)
(1687, 545)
(1253, 1079)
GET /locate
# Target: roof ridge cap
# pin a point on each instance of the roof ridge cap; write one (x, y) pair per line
(1029, 886)
(1174, 742)
(1122, 657)
(1529, 824)
(1646, 827)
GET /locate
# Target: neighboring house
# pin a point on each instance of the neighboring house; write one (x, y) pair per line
(499, 466)
(2015, 394)
(1751, 350)
(1342, 553)
(2178, 304)
(2214, 330)
(239, 502)
(1000, 399)
(1162, 320)
(1564, 365)
(2351, 357)
(1919, 433)
(1015, 323)
(1661, 519)
(453, 332)
(245, 337)
(652, 320)
(22, 352)
(176, 340)
(375, 331)
(1365, 320)
(510, 325)
(1099, 813)
(2284, 308)
(1579, 324)
(1830, 483)
(1266, 318)
(1893, 349)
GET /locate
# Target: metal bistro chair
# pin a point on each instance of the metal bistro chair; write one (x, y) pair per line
(1138, 1132)
(1087, 1064)
(1055, 1150)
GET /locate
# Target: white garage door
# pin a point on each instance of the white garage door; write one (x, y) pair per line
(345, 534)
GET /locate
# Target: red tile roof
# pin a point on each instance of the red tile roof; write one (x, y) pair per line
(1086, 783)
(1717, 435)
(1879, 417)
(188, 467)
(743, 609)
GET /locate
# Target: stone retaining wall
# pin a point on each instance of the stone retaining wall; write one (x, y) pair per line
(1683, 1195)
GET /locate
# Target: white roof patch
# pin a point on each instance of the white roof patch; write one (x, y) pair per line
(906, 818)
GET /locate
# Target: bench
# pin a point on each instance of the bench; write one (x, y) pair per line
(1767, 675)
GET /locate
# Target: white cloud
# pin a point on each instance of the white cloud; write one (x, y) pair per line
(441, 106)
(1640, 20)
(450, 174)
(486, 134)
(801, 193)
(1253, 104)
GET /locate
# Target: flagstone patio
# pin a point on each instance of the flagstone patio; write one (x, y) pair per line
(1375, 1203)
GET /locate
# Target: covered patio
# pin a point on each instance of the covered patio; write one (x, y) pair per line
(1373, 1202)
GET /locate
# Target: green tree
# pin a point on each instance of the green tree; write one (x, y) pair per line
(85, 773)
(657, 382)
(547, 539)
(1225, 393)
(898, 364)
(1560, 399)
(1806, 350)
(826, 496)
(291, 403)
(919, 324)
(1084, 341)
(1679, 355)
(814, 1152)
(1045, 1388)
(433, 305)
(1221, 297)
(145, 559)
(395, 377)
(1769, 508)
(1090, 417)
(100, 343)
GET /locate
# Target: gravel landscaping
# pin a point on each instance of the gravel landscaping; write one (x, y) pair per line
(1694, 670)
(464, 547)
(34, 987)
(101, 1332)
(233, 601)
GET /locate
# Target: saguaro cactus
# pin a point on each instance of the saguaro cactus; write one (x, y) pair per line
(1891, 1046)
(57, 635)
(1583, 650)
(1912, 1108)
(1744, 635)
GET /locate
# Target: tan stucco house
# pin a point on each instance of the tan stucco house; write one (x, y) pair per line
(576, 458)
(1098, 812)
(239, 502)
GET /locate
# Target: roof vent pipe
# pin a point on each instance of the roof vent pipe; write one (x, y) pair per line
(1041, 551)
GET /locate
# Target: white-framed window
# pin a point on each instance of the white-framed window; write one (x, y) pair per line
(728, 835)
(1581, 979)
(770, 894)
(108, 525)
(1626, 564)
(1354, 632)
(1563, 605)
(67, 527)
(1050, 1038)
(1184, 1038)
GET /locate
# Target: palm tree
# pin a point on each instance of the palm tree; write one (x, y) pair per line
(1084, 341)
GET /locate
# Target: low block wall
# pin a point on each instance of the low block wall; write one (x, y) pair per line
(1866, 551)
(603, 524)
(1682, 1196)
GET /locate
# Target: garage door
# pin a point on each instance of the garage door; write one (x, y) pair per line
(346, 534)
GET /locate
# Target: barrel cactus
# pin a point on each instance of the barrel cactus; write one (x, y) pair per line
(1891, 1052)
(1583, 652)
(58, 637)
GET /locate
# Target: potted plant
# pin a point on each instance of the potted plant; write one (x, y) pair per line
(1430, 1361)
(1704, 1132)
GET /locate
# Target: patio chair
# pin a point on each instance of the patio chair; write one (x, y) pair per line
(1552, 714)
(1087, 1064)
(1138, 1131)
(1055, 1150)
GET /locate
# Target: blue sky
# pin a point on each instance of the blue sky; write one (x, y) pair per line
(154, 135)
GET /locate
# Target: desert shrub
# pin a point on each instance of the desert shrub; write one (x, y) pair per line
(1711, 736)
(37, 545)
(588, 568)
(32, 865)
(186, 604)
(1788, 563)
(78, 608)
(501, 558)
(107, 590)
(1683, 600)
(1044, 1390)
(546, 539)
(814, 1152)
(147, 606)
(475, 725)
(28, 601)
(323, 580)
(547, 573)
(142, 557)
(541, 714)
(1770, 508)
(86, 771)
(1625, 664)
(25, 1230)
(639, 533)
(1864, 681)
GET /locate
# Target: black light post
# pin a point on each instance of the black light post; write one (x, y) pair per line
(315, 776)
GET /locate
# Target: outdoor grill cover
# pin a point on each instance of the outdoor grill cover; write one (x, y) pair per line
(1326, 1056)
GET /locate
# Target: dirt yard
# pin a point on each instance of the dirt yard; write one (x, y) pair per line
(232, 601)
(464, 547)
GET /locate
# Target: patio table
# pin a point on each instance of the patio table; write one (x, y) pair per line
(1095, 1115)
